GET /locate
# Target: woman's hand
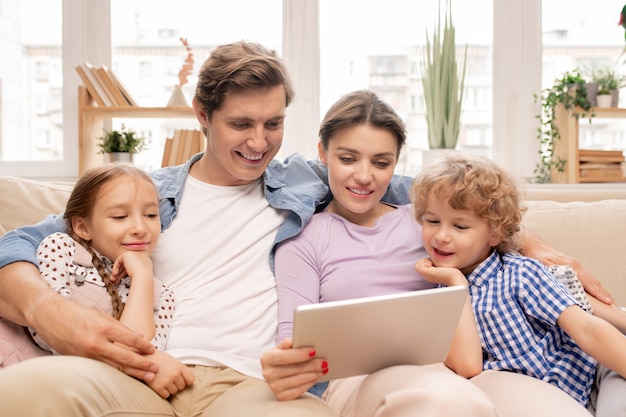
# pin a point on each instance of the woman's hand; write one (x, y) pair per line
(291, 372)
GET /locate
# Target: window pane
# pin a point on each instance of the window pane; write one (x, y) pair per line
(148, 54)
(31, 81)
(382, 49)
(587, 38)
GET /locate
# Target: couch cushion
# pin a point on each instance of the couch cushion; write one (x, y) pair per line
(592, 232)
(24, 202)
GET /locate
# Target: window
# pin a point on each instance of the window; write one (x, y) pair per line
(383, 50)
(31, 127)
(147, 52)
(38, 106)
(584, 38)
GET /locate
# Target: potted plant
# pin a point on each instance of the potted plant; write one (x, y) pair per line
(443, 84)
(609, 83)
(121, 145)
(570, 91)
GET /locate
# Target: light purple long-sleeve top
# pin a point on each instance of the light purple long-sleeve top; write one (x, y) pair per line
(333, 259)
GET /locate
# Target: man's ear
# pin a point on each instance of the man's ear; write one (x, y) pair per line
(80, 227)
(321, 152)
(201, 115)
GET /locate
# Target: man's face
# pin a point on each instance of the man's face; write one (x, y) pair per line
(243, 136)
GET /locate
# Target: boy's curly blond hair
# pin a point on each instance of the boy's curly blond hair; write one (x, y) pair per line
(469, 182)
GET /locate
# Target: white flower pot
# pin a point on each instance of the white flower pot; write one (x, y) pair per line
(604, 100)
(119, 157)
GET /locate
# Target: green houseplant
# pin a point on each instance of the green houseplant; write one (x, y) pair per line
(443, 84)
(570, 91)
(124, 141)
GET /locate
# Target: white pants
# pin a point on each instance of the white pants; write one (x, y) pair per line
(436, 391)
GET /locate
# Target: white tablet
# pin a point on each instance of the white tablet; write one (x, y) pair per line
(360, 336)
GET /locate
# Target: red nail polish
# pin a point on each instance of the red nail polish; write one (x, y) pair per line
(312, 353)
(324, 364)
(325, 371)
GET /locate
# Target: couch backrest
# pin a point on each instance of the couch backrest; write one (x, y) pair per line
(24, 202)
(592, 232)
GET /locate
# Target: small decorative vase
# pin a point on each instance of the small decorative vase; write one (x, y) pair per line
(604, 101)
(592, 93)
(177, 99)
(614, 98)
(119, 157)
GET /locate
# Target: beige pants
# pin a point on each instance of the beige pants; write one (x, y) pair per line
(67, 386)
(434, 390)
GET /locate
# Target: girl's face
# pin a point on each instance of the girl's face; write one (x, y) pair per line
(124, 218)
(360, 160)
(455, 238)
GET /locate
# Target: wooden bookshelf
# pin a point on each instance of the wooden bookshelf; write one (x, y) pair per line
(90, 123)
(585, 166)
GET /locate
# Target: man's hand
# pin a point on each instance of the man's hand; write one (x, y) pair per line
(73, 329)
(291, 372)
(533, 247)
(172, 376)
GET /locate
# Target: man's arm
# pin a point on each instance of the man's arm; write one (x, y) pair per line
(69, 327)
(533, 247)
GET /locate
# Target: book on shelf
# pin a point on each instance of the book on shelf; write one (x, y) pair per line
(600, 156)
(601, 173)
(181, 146)
(93, 86)
(121, 87)
(111, 87)
(104, 86)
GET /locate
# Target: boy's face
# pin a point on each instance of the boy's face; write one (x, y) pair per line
(455, 238)
(243, 136)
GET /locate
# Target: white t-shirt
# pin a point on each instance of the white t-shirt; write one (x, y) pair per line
(215, 257)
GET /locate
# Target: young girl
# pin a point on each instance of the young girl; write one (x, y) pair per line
(112, 219)
(528, 321)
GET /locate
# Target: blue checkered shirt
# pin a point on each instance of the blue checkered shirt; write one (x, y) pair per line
(517, 303)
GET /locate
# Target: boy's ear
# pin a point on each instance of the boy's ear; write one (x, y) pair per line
(80, 227)
(494, 240)
(321, 152)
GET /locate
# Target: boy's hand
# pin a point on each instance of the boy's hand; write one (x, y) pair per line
(440, 275)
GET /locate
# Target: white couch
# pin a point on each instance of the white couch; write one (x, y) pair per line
(588, 225)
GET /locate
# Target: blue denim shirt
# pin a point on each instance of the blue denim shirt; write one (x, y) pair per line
(295, 184)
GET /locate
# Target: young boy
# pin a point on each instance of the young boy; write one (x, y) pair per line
(528, 321)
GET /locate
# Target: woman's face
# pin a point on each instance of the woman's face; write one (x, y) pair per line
(361, 160)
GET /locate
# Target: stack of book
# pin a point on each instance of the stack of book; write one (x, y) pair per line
(181, 146)
(601, 165)
(104, 87)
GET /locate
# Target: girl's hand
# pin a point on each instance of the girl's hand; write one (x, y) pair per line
(439, 275)
(291, 372)
(133, 265)
(172, 376)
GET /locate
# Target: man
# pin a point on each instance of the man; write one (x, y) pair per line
(220, 214)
